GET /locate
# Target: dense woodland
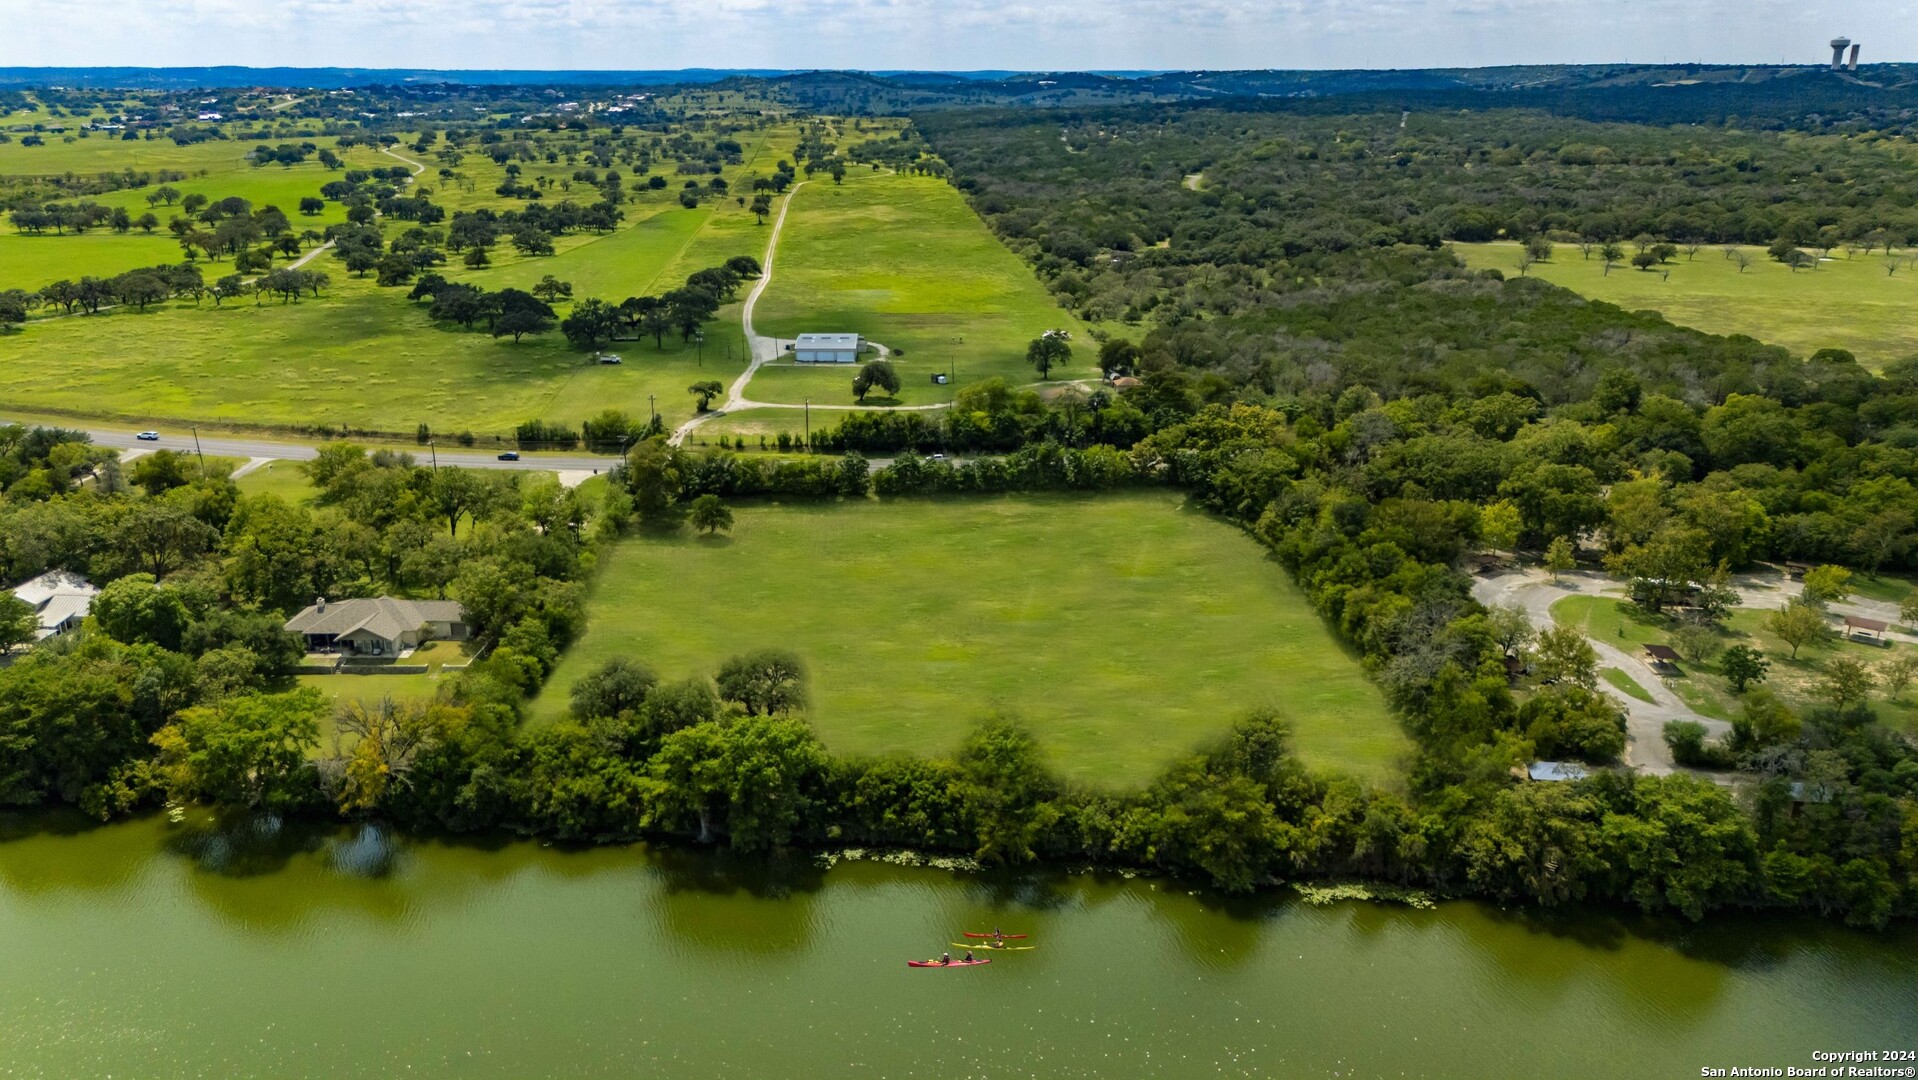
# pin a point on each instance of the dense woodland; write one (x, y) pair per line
(1311, 365)
(1218, 211)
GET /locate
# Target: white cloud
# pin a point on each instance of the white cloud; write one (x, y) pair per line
(948, 34)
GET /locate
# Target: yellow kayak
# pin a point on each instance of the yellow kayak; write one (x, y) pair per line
(979, 947)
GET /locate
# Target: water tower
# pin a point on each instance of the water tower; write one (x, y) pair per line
(1838, 47)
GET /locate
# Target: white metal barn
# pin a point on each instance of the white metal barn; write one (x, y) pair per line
(826, 348)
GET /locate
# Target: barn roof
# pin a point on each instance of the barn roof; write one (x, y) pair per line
(826, 341)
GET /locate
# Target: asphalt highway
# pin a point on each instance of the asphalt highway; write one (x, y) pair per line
(242, 447)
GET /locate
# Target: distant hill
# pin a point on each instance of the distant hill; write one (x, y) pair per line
(184, 78)
(1885, 94)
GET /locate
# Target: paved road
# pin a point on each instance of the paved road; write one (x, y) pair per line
(1645, 748)
(249, 447)
(1765, 592)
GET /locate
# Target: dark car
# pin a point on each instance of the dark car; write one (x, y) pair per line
(510, 455)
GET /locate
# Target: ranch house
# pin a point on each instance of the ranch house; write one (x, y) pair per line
(826, 348)
(377, 627)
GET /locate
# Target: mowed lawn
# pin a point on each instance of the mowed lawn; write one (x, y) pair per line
(904, 261)
(1847, 303)
(1123, 629)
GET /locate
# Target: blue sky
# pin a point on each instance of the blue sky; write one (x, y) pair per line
(945, 34)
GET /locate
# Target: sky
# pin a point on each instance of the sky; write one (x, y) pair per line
(951, 35)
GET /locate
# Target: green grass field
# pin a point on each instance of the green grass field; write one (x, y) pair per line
(99, 153)
(904, 261)
(283, 478)
(29, 262)
(1625, 683)
(1123, 629)
(361, 356)
(752, 424)
(1847, 303)
(364, 357)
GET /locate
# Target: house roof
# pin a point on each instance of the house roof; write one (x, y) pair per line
(1863, 623)
(383, 617)
(1556, 770)
(54, 583)
(58, 596)
(1662, 652)
(826, 341)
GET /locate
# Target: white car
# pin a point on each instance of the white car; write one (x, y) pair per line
(148, 436)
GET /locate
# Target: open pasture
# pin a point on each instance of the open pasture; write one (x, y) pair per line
(365, 358)
(104, 152)
(31, 261)
(1846, 303)
(1123, 629)
(903, 261)
(359, 357)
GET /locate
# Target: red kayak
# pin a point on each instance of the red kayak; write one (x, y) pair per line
(970, 934)
(953, 963)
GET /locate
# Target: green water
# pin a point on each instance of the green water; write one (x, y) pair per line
(156, 950)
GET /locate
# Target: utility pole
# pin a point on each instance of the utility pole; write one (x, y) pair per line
(434, 449)
(699, 347)
(652, 413)
(809, 425)
(197, 452)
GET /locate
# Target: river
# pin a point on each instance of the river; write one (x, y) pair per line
(153, 950)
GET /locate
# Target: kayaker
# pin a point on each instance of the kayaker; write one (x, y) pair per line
(968, 956)
(945, 958)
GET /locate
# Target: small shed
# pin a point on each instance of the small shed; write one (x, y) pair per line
(1859, 628)
(1662, 658)
(1796, 570)
(1556, 771)
(826, 348)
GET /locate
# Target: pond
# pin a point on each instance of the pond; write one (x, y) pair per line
(158, 949)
